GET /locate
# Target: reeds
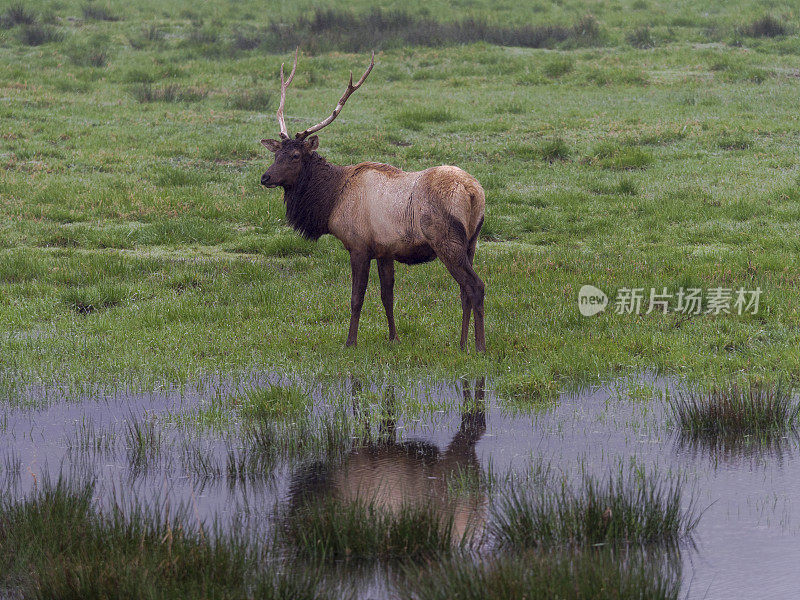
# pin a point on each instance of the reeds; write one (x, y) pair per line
(733, 419)
(329, 529)
(544, 576)
(625, 507)
(55, 544)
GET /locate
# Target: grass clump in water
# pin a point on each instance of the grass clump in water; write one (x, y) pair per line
(331, 529)
(585, 576)
(736, 410)
(273, 401)
(54, 544)
(619, 509)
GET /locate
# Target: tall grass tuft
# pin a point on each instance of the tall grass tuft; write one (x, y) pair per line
(95, 12)
(86, 300)
(173, 92)
(255, 99)
(330, 529)
(90, 53)
(535, 576)
(755, 408)
(416, 118)
(54, 544)
(641, 38)
(622, 508)
(327, 29)
(766, 26)
(272, 402)
(16, 14)
(37, 35)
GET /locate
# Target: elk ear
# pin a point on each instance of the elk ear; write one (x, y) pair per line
(312, 143)
(271, 145)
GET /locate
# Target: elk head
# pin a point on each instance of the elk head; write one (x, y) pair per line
(291, 154)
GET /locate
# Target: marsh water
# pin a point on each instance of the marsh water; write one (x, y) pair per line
(178, 447)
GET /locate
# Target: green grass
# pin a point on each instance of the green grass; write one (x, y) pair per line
(612, 165)
(328, 529)
(754, 408)
(273, 401)
(622, 508)
(55, 544)
(589, 576)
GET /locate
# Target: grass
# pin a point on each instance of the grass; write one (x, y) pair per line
(766, 26)
(37, 35)
(328, 529)
(173, 92)
(753, 408)
(86, 300)
(623, 508)
(55, 544)
(613, 165)
(327, 28)
(273, 401)
(17, 14)
(589, 576)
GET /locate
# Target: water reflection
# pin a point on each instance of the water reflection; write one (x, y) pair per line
(736, 448)
(395, 474)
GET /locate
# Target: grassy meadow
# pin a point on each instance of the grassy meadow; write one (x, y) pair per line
(645, 144)
(632, 144)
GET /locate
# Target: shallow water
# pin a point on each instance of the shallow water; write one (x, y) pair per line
(747, 545)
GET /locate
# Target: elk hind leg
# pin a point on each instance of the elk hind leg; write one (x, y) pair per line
(454, 253)
(480, 334)
(386, 275)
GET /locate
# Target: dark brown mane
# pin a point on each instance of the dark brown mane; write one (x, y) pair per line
(311, 200)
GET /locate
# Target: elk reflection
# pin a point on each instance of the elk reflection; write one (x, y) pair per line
(396, 474)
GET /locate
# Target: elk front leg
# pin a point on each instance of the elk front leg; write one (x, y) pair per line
(359, 264)
(386, 275)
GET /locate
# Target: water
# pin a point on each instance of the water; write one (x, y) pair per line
(422, 446)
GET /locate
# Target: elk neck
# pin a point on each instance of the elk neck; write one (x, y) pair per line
(312, 199)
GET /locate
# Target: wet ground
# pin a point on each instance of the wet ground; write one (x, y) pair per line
(423, 444)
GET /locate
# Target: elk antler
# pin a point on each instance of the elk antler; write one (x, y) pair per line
(284, 85)
(350, 89)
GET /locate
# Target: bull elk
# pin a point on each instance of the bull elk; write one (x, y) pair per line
(380, 212)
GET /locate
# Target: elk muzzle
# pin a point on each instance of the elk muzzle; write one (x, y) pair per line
(266, 181)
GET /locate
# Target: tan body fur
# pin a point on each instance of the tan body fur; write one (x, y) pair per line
(397, 214)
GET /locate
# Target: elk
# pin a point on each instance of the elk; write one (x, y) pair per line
(380, 212)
